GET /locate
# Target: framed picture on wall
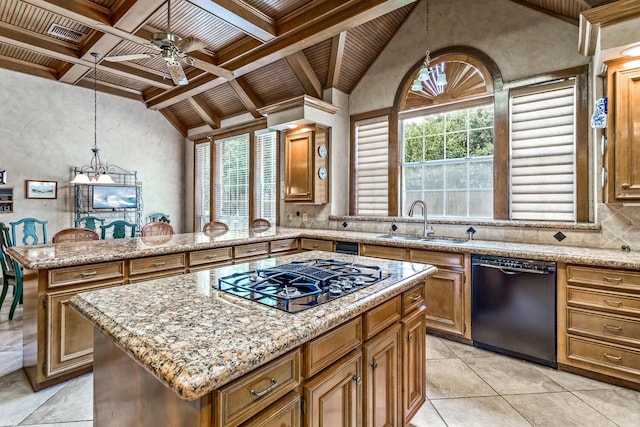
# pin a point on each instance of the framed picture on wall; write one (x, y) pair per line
(42, 189)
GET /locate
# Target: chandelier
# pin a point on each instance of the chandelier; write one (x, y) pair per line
(96, 171)
(427, 72)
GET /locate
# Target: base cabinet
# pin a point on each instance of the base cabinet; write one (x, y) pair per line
(334, 397)
(414, 381)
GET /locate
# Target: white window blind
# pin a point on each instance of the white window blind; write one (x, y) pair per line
(232, 181)
(265, 176)
(202, 184)
(372, 166)
(543, 153)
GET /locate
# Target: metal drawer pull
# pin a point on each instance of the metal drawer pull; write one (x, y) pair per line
(315, 246)
(625, 186)
(614, 303)
(357, 379)
(89, 273)
(608, 356)
(613, 279)
(273, 385)
(252, 250)
(374, 365)
(159, 264)
(416, 298)
(612, 328)
(409, 337)
(211, 257)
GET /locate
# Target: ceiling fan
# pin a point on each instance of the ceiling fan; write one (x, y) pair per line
(173, 49)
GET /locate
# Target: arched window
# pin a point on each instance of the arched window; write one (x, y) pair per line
(446, 136)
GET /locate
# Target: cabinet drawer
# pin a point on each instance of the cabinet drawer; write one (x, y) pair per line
(379, 318)
(284, 245)
(253, 392)
(329, 347)
(599, 325)
(210, 256)
(412, 299)
(285, 412)
(603, 277)
(611, 301)
(317, 245)
(113, 271)
(387, 252)
(157, 263)
(251, 250)
(437, 258)
(618, 361)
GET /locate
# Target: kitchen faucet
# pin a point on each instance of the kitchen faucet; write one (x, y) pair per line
(427, 228)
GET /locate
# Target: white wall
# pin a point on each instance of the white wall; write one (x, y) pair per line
(46, 128)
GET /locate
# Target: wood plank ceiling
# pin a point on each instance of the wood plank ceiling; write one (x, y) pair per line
(276, 49)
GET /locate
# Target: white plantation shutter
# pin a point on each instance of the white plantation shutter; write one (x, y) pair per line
(543, 152)
(202, 184)
(232, 181)
(372, 166)
(265, 176)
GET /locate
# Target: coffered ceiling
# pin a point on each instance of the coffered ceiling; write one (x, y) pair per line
(275, 49)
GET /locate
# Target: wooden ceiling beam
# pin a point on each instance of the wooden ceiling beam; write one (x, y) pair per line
(126, 70)
(205, 113)
(25, 67)
(303, 70)
(173, 119)
(247, 96)
(546, 12)
(306, 35)
(77, 10)
(242, 16)
(112, 89)
(335, 61)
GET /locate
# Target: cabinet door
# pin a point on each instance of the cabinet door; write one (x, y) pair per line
(627, 134)
(70, 339)
(334, 396)
(414, 381)
(299, 167)
(382, 379)
(444, 301)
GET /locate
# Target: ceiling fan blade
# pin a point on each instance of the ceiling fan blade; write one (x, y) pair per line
(177, 73)
(130, 57)
(190, 43)
(210, 68)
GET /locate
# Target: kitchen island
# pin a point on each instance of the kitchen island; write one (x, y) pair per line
(180, 349)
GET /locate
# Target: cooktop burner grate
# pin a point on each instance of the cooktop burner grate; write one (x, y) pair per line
(301, 284)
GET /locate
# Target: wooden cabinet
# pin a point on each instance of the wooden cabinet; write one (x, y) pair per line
(599, 322)
(306, 170)
(388, 252)
(447, 293)
(284, 413)
(283, 247)
(244, 253)
(414, 381)
(623, 135)
(209, 258)
(334, 396)
(316, 245)
(157, 266)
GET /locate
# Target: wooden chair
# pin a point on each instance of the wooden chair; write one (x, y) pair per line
(156, 228)
(88, 222)
(11, 271)
(75, 234)
(30, 235)
(260, 223)
(215, 227)
(159, 217)
(119, 229)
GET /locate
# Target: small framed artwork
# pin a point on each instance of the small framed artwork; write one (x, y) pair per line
(42, 189)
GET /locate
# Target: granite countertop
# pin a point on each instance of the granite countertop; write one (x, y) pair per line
(78, 253)
(195, 338)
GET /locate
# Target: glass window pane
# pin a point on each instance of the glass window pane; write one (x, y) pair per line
(456, 145)
(456, 176)
(456, 203)
(433, 177)
(434, 148)
(481, 117)
(413, 150)
(413, 178)
(481, 203)
(456, 121)
(434, 124)
(435, 203)
(481, 142)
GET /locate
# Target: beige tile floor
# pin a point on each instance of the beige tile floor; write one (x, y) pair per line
(465, 387)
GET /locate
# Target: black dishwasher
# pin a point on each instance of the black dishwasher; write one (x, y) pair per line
(513, 307)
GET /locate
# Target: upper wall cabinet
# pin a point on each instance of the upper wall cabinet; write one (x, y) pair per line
(623, 134)
(306, 166)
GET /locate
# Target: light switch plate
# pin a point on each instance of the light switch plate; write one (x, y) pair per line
(304, 217)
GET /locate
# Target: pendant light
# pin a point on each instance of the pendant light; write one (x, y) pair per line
(427, 71)
(96, 172)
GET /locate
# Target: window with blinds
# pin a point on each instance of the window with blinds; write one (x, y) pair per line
(202, 184)
(264, 179)
(542, 134)
(232, 181)
(372, 166)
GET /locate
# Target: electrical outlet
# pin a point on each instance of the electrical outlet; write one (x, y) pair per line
(305, 217)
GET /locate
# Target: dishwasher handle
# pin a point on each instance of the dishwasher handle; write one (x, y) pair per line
(513, 270)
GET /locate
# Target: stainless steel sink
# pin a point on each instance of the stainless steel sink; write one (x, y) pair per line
(447, 240)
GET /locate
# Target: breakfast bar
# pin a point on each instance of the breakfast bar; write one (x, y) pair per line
(180, 348)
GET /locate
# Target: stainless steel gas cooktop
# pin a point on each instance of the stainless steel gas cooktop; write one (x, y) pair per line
(300, 285)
